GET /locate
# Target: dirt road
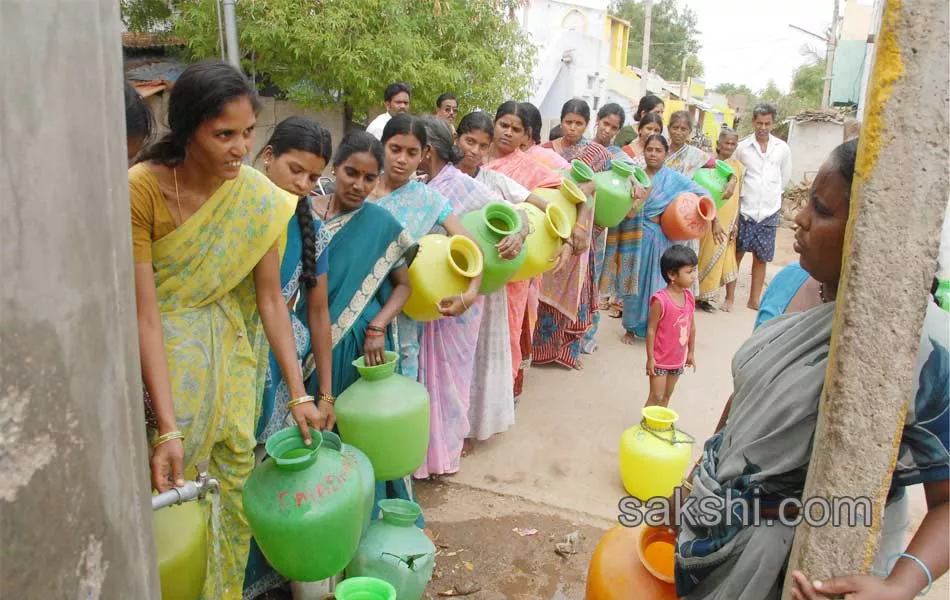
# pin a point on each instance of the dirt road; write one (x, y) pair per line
(556, 470)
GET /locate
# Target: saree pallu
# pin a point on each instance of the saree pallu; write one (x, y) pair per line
(717, 262)
(622, 258)
(666, 186)
(764, 450)
(366, 246)
(522, 295)
(216, 348)
(419, 209)
(491, 402)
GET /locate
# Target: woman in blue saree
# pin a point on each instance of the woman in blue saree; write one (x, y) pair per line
(665, 185)
(294, 157)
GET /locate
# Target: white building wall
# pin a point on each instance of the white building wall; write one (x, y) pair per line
(811, 143)
(573, 56)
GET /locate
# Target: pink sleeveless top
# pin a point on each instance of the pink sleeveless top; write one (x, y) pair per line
(672, 333)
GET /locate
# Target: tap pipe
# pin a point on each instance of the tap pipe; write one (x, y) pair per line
(192, 490)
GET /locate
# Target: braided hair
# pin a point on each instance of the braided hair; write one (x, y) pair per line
(301, 133)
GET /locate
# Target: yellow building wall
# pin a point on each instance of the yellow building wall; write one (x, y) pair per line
(618, 33)
(669, 107)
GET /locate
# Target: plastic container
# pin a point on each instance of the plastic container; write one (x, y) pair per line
(614, 191)
(617, 573)
(443, 267)
(365, 466)
(304, 506)
(656, 549)
(364, 588)
(567, 197)
(654, 455)
(579, 172)
(489, 225)
(688, 217)
(548, 230)
(181, 546)
(386, 416)
(396, 551)
(715, 180)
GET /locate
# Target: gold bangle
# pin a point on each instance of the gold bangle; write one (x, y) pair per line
(171, 435)
(299, 401)
(687, 485)
(328, 398)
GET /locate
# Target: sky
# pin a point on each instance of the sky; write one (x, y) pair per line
(750, 41)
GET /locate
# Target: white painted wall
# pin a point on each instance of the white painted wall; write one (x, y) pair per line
(810, 144)
(573, 56)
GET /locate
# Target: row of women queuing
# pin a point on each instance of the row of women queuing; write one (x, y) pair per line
(254, 296)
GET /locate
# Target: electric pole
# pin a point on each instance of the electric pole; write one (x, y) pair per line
(830, 59)
(647, 24)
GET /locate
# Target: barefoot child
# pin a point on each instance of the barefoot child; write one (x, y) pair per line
(671, 330)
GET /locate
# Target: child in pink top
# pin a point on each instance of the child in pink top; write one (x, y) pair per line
(671, 330)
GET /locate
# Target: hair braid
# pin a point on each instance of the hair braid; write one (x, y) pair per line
(309, 237)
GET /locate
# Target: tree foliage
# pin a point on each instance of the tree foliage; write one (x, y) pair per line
(327, 52)
(807, 86)
(146, 15)
(673, 34)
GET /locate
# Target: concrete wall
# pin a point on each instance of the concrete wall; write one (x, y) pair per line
(75, 517)
(811, 143)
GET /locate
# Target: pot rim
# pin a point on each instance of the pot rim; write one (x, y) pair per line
(572, 191)
(470, 251)
(504, 212)
(557, 222)
(289, 439)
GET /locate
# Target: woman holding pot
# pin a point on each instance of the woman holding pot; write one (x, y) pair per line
(505, 156)
(205, 316)
(641, 271)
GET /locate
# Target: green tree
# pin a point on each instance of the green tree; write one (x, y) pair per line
(146, 15)
(346, 51)
(808, 83)
(673, 35)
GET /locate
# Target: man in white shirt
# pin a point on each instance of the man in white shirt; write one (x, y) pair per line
(768, 167)
(396, 98)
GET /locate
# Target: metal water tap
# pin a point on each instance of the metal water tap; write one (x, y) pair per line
(192, 490)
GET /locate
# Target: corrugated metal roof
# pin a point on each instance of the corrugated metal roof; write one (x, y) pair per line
(163, 70)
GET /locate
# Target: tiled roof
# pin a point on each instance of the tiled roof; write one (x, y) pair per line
(150, 40)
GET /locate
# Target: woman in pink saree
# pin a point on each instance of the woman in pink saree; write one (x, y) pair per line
(506, 157)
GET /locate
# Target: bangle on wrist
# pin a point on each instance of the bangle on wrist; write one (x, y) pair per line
(328, 398)
(299, 401)
(372, 327)
(920, 563)
(374, 333)
(171, 435)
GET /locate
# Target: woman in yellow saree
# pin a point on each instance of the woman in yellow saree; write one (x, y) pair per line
(717, 250)
(206, 235)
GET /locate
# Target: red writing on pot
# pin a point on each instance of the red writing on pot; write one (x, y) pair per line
(326, 486)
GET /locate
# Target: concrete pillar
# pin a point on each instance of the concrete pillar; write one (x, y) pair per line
(75, 518)
(898, 202)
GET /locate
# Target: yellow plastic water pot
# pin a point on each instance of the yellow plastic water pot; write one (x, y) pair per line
(181, 545)
(443, 267)
(548, 230)
(568, 198)
(654, 455)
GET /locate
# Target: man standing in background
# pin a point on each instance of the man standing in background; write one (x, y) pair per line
(768, 168)
(396, 98)
(447, 109)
